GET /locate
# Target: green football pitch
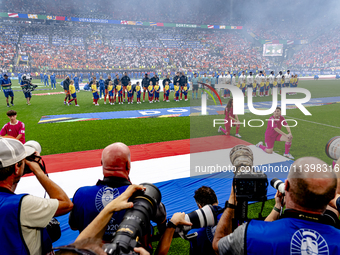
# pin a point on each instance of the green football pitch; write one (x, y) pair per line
(310, 135)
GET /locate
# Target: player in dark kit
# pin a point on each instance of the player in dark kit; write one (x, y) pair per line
(116, 80)
(145, 84)
(183, 81)
(154, 80)
(107, 82)
(125, 81)
(176, 78)
(66, 84)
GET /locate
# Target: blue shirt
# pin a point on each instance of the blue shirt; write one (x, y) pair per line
(6, 81)
(205, 79)
(195, 81)
(101, 83)
(213, 80)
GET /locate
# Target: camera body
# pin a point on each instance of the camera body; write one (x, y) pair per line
(37, 159)
(250, 186)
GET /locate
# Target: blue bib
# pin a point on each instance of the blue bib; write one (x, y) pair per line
(89, 201)
(291, 236)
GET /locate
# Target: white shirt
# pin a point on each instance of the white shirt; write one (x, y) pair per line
(233, 81)
(271, 78)
(228, 79)
(250, 79)
(278, 78)
(258, 78)
(242, 79)
(35, 214)
(287, 77)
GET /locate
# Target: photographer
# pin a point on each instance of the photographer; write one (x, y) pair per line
(178, 219)
(202, 244)
(27, 88)
(305, 226)
(89, 201)
(24, 217)
(90, 238)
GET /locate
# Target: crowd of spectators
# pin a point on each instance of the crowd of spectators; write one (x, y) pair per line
(323, 52)
(104, 47)
(99, 46)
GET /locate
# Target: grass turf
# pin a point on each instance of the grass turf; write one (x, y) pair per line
(86, 135)
(309, 138)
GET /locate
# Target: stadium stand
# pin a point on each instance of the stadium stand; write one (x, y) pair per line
(61, 45)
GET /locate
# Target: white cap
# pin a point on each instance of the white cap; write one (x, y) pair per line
(12, 151)
(33, 144)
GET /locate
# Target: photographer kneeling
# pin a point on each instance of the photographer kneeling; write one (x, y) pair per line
(202, 243)
(197, 227)
(24, 217)
(303, 227)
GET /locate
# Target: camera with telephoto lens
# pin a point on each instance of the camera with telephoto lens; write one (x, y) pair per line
(29, 87)
(249, 185)
(333, 148)
(200, 218)
(136, 221)
(278, 185)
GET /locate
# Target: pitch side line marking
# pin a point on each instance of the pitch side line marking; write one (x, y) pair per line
(314, 122)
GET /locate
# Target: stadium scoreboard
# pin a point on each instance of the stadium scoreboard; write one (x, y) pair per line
(272, 50)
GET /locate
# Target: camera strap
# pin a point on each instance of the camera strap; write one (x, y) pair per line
(262, 206)
(326, 218)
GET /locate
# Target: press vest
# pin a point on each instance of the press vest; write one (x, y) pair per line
(88, 203)
(12, 240)
(203, 242)
(291, 236)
